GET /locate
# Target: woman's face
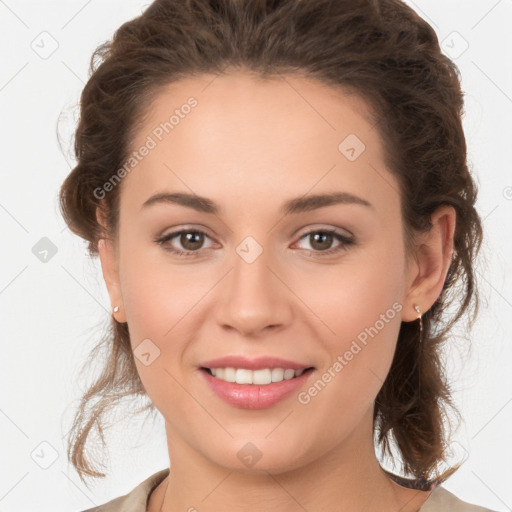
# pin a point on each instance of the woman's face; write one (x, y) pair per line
(264, 280)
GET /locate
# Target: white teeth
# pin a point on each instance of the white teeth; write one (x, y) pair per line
(243, 376)
(259, 377)
(289, 374)
(277, 374)
(229, 374)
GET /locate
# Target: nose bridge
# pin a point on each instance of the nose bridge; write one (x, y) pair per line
(252, 278)
(254, 298)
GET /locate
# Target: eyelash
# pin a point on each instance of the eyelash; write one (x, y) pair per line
(346, 241)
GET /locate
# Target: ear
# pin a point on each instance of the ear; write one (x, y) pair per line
(109, 267)
(430, 265)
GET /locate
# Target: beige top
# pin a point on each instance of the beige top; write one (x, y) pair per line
(440, 499)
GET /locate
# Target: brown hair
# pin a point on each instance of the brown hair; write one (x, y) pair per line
(379, 49)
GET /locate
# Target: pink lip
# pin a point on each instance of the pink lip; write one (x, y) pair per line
(253, 396)
(257, 363)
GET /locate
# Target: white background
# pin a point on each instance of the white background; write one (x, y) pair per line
(53, 312)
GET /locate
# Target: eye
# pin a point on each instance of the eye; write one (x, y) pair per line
(192, 241)
(322, 239)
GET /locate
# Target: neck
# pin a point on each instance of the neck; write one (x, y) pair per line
(348, 477)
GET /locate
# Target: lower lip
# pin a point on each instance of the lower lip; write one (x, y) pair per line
(253, 396)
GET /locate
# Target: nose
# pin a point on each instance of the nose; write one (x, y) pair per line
(254, 297)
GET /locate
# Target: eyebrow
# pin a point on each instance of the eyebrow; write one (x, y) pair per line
(290, 207)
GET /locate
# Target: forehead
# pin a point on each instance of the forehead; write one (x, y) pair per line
(224, 103)
(234, 133)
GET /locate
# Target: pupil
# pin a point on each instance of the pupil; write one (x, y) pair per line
(323, 235)
(187, 240)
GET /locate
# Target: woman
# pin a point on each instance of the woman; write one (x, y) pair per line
(279, 197)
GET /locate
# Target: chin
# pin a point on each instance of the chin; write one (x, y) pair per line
(258, 456)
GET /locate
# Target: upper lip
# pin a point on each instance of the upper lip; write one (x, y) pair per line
(255, 363)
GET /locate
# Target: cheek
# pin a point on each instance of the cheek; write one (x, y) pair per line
(359, 305)
(361, 354)
(155, 294)
(363, 291)
(158, 299)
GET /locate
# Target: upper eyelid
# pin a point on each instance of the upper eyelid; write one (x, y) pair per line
(304, 230)
(298, 235)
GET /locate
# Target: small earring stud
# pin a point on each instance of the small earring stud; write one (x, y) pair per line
(116, 309)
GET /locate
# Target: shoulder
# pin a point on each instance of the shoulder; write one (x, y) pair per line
(442, 500)
(136, 499)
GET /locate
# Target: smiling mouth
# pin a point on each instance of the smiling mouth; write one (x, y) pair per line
(261, 377)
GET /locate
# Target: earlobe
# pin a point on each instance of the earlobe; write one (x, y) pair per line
(111, 276)
(433, 260)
